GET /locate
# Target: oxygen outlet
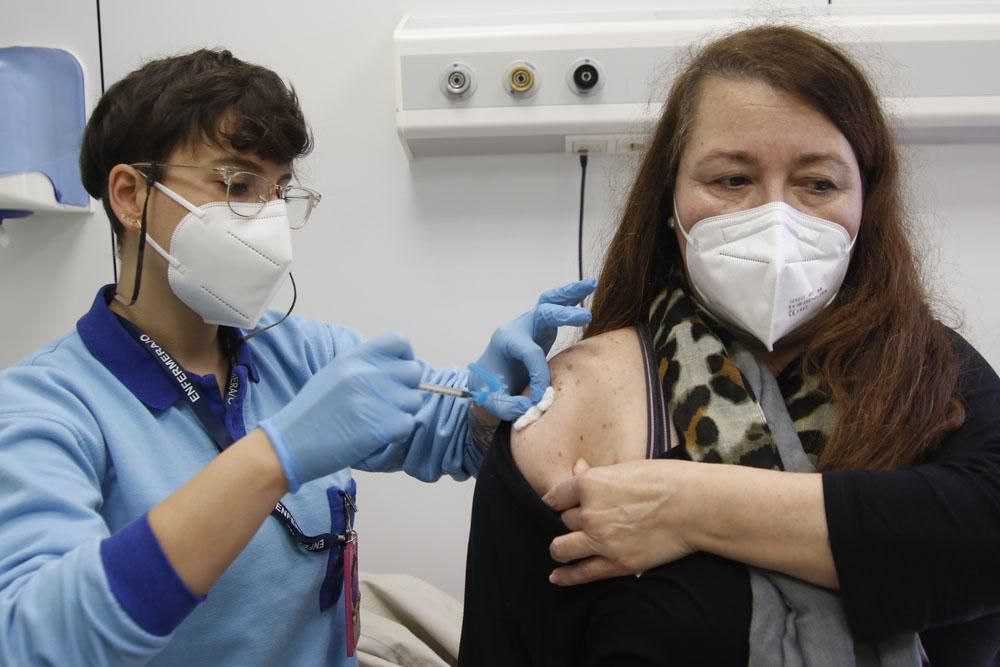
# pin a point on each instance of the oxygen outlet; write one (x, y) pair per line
(521, 79)
(585, 77)
(458, 81)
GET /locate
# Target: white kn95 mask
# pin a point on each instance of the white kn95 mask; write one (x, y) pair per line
(766, 270)
(225, 267)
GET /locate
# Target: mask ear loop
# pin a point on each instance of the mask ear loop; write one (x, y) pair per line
(150, 180)
(295, 296)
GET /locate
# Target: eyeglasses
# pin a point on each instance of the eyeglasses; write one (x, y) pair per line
(247, 193)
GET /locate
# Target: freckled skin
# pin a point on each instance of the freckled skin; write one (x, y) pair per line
(599, 413)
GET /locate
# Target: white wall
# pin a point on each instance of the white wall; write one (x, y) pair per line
(55, 260)
(443, 249)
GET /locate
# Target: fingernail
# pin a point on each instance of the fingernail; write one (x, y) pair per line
(553, 579)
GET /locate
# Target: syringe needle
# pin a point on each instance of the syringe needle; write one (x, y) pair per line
(447, 391)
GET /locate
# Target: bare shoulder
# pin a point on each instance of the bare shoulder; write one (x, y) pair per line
(599, 413)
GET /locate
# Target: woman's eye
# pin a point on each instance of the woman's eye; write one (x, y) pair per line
(733, 182)
(236, 188)
(821, 185)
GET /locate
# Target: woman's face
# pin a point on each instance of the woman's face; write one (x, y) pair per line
(751, 144)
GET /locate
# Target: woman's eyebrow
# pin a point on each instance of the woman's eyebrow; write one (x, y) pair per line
(728, 156)
(803, 160)
(809, 159)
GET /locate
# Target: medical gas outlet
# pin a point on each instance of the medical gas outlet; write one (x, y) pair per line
(458, 81)
(585, 77)
(474, 85)
(521, 79)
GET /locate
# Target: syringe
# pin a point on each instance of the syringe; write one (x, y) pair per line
(447, 391)
(492, 387)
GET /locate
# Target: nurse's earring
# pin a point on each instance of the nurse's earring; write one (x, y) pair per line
(670, 223)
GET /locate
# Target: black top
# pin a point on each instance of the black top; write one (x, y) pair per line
(695, 611)
(919, 548)
(916, 549)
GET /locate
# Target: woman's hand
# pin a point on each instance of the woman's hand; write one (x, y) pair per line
(626, 518)
(629, 517)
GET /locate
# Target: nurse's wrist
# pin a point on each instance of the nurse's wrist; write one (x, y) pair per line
(260, 454)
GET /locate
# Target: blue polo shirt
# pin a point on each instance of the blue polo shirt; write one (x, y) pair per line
(94, 432)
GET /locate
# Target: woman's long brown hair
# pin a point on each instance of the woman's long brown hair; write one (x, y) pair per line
(884, 360)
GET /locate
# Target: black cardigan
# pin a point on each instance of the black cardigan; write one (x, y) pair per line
(915, 549)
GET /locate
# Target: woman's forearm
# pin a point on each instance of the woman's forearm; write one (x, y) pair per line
(204, 525)
(769, 519)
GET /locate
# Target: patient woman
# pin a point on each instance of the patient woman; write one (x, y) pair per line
(760, 307)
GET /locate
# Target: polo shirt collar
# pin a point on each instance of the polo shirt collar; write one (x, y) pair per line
(118, 351)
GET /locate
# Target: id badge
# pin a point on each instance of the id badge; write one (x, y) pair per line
(352, 593)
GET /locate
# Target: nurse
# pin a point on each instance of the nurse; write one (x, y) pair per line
(175, 481)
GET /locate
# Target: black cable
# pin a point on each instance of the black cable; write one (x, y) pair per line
(100, 45)
(583, 190)
(100, 59)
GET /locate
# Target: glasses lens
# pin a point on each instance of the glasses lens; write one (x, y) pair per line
(299, 203)
(247, 193)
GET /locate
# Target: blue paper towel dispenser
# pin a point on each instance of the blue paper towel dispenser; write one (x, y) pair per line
(42, 116)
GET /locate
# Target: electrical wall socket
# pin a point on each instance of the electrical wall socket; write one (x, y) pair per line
(615, 144)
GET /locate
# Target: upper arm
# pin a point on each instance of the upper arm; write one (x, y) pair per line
(599, 413)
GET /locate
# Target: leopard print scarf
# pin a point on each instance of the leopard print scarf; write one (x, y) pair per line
(712, 405)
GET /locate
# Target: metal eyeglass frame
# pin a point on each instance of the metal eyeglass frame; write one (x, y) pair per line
(229, 175)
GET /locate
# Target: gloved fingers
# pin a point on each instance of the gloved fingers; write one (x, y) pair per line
(539, 379)
(400, 396)
(406, 373)
(569, 294)
(392, 344)
(549, 316)
(507, 407)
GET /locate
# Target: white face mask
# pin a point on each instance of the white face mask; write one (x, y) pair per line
(225, 267)
(766, 270)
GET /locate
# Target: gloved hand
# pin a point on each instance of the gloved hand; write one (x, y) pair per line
(517, 349)
(358, 403)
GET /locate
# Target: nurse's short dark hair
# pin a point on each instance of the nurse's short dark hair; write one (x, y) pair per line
(207, 95)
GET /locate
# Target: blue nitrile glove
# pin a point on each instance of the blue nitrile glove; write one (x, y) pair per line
(517, 350)
(358, 403)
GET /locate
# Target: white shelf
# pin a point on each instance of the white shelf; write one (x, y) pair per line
(33, 191)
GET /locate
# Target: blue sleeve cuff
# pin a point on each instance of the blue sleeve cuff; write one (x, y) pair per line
(143, 580)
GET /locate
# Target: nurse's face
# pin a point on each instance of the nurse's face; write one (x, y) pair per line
(201, 186)
(751, 144)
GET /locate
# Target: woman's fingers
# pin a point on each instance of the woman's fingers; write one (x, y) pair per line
(586, 571)
(573, 519)
(564, 495)
(572, 546)
(623, 519)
